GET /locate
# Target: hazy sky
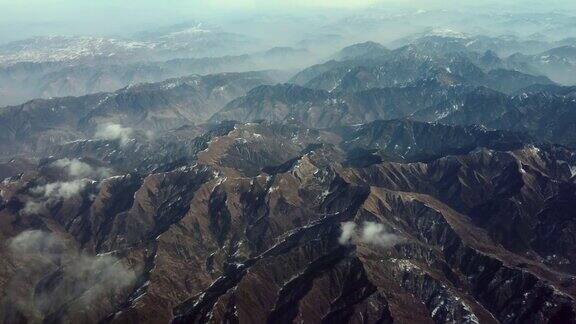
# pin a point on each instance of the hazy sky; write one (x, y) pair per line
(51, 7)
(25, 18)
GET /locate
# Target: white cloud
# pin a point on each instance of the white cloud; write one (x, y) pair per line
(51, 192)
(82, 278)
(79, 169)
(376, 234)
(348, 229)
(113, 132)
(57, 190)
(369, 233)
(35, 241)
(32, 207)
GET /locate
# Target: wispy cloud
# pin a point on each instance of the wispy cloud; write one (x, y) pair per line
(348, 230)
(113, 132)
(368, 233)
(77, 279)
(57, 190)
(78, 169)
(81, 173)
(374, 233)
(52, 192)
(32, 207)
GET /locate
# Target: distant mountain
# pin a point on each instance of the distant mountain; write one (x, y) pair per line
(146, 108)
(504, 45)
(550, 90)
(472, 107)
(559, 64)
(196, 39)
(412, 63)
(183, 40)
(73, 49)
(545, 114)
(555, 60)
(24, 81)
(322, 42)
(405, 140)
(183, 28)
(56, 66)
(366, 50)
(320, 109)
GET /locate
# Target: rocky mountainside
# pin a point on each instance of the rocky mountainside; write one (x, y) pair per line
(546, 115)
(272, 223)
(545, 112)
(320, 108)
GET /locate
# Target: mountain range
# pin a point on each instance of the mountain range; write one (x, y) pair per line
(432, 182)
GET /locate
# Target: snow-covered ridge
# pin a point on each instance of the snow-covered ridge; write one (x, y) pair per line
(188, 31)
(190, 40)
(446, 32)
(67, 48)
